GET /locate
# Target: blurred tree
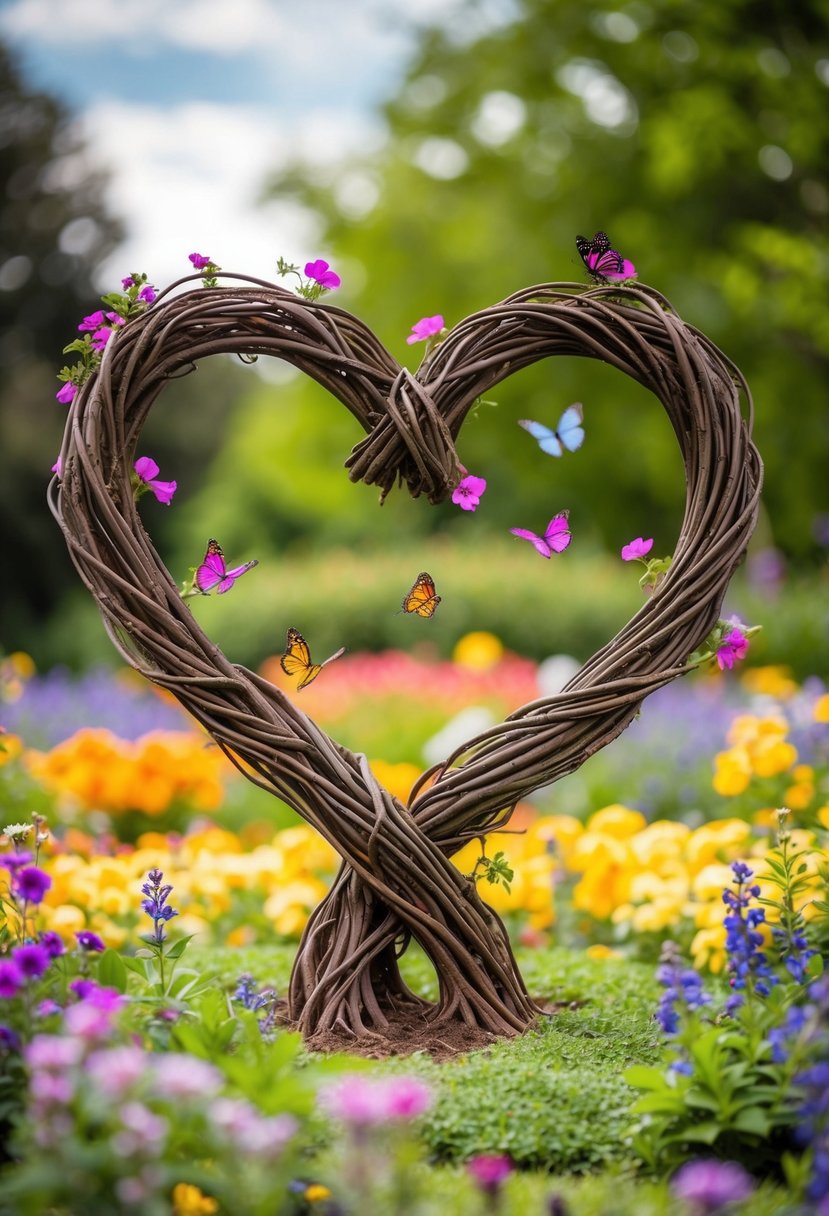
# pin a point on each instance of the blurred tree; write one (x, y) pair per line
(54, 230)
(697, 135)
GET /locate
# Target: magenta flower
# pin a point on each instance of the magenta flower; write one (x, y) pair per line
(147, 471)
(14, 861)
(31, 884)
(66, 393)
(94, 321)
(129, 281)
(320, 273)
(467, 494)
(354, 1099)
(732, 648)
(200, 260)
(52, 943)
(87, 940)
(11, 979)
(46, 1008)
(57, 467)
(709, 1185)
(32, 960)
(427, 327)
(407, 1097)
(636, 549)
(147, 294)
(489, 1172)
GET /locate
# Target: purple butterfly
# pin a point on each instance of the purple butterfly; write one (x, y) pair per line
(605, 265)
(212, 572)
(556, 537)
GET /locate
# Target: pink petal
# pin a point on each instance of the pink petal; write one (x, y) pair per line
(146, 468)
(163, 490)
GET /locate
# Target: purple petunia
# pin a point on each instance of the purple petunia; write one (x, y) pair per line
(87, 940)
(66, 393)
(32, 960)
(11, 979)
(467, 494)
(31, 884)
(320, 272)
(709, 1184)
(426, 327)
(146, 470)
(200, 260)
(52, 943)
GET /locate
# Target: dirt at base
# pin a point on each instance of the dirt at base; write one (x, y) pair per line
(407, 1034)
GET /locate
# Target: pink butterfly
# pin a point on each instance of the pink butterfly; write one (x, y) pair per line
(556, 536)
(212, 572)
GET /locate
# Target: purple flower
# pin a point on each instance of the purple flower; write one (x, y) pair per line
(636, 549)
(94, 321)
(11, 979)
(320, 273)
(147, 294)
(734, 646)
(14, 861)
(747, 965)
(147, 471)
(66, 393)
(427, 327)
(407, 1097)
(92, 1017)
(31, 884)
(52, 943)
(32, 960)
(46, 1008)
(9, 1041)
(467, 494)
(200, 260)
(101, 337)
(87, 940)
(489, 1172)
(710, 1184)
(57, 467)
(129, 281)
(155, 905)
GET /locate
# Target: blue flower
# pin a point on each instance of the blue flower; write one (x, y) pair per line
(155, 905)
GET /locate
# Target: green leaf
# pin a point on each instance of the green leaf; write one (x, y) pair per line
(704, 1133)
(112, 971)
(754, 1121)
(641, 1076)
(178, 947)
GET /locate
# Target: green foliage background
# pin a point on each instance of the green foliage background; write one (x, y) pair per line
(696, 134)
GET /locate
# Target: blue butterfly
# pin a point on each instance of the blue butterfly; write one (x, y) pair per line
(569, 432)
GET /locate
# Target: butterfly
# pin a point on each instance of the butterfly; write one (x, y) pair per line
(213, 573)
(605, 265)
(297, 658)
(569, 432)
(422, 598)
(556, 537)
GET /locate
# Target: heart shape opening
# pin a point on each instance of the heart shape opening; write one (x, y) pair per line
(396, 882)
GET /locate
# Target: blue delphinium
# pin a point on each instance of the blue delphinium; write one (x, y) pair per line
(155, 904)
(683, 988)
(249, 997)
(747, 964)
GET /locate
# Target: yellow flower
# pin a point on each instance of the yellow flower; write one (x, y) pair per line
(722, 840)
(823, 816)
(10, 748)
(316, 1191)
(770, 681)
(799, 795)
(732, 772)
(478, 651)
(773, 757)
(397, 778)
(708, 948)
(188, 1200)
(617, 820)
(602, 952)
(822, 708)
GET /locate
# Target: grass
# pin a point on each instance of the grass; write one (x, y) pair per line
(553, 1099)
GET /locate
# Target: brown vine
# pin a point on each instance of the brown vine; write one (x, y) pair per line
(396, 882)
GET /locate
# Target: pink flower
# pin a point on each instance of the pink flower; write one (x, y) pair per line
(637, 548)
(182, 1076)
(114, 1072)
(129, 281)
(320, 273)
(66, 393)
(732, 648)
(467, 494)
(147, 294)
(57, 467)
(428, 327)
(11, 979)
(407, 1097)
(147, 471)
(709, 1185)
(200, 260)
(47, 1051)
(490, 1171)
(94, 321)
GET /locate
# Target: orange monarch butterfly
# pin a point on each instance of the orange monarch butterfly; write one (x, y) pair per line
(297, 658)
(422, 599)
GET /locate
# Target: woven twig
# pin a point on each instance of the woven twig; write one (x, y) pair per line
(396, 876)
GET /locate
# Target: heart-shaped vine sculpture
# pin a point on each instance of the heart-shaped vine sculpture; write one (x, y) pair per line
(396, 882)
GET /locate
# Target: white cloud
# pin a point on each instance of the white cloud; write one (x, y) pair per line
(187, 178)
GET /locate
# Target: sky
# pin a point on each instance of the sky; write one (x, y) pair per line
(191, 104)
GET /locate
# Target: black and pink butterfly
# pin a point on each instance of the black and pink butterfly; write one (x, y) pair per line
(213, 573)
(604, 264)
